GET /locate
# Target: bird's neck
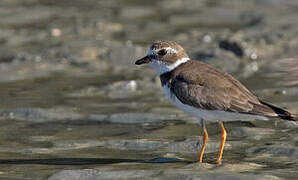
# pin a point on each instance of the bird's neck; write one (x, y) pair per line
(166, 77)
(161, 68)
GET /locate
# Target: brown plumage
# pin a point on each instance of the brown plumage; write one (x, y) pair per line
(169, 58)
(208, 88)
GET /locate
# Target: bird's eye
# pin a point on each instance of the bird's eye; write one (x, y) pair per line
(162, 52)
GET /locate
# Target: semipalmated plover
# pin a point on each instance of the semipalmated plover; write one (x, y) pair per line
(206, 92)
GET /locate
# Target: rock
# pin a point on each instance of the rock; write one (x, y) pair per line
(231, 46)
(92, 174)
(6, 56)
(222, 59)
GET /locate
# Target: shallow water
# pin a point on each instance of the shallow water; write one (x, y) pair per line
(47, 127)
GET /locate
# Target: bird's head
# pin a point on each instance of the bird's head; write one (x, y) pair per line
(164, 56)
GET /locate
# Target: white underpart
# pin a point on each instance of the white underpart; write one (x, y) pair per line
(209, 115)
(161, 67)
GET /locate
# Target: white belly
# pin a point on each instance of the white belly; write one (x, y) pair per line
(209, 115)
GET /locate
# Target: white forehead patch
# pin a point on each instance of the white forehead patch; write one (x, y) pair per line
(169, 49)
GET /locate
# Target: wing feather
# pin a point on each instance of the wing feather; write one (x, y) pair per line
(216, 91)
(208, 88)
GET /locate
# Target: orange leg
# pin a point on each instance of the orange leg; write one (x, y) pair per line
(205, 138)
(222, 142)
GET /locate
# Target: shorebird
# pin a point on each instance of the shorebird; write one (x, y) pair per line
(206, 92)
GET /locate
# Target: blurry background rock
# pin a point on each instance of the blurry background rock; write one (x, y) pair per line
(70, 89)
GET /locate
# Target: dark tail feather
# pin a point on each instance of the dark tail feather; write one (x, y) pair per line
(283, 114)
